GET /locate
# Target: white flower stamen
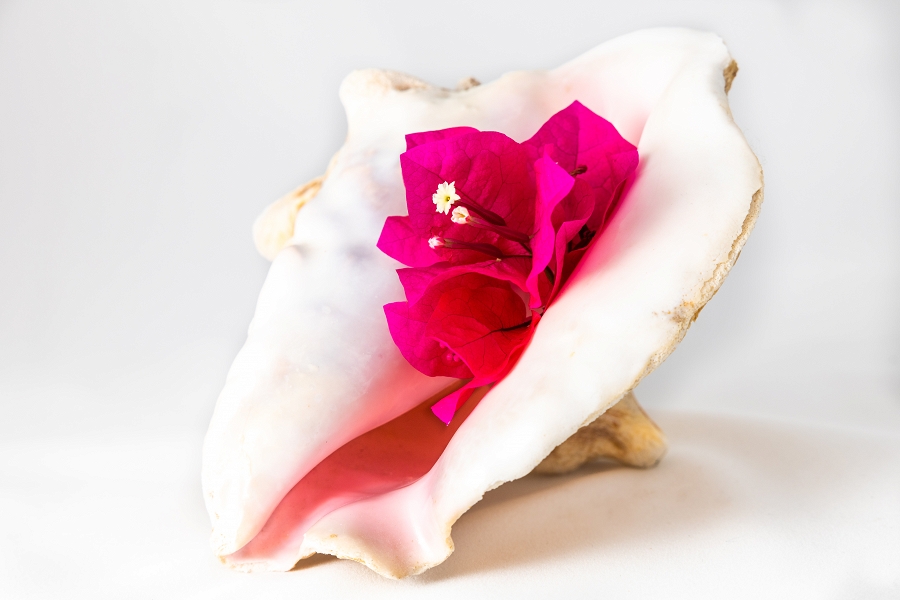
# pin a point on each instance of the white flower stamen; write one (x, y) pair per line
(435, 242)
(445, 196)
(460, 215)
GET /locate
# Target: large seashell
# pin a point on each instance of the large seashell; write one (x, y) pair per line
(321, 440)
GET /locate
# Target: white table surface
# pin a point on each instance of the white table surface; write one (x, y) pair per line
(138, 140)
(739, 508)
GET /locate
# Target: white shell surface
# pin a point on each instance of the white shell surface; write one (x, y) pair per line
(319, 367)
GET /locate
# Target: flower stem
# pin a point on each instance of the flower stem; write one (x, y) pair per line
(550, 275)
(488, 215)
(501, 230)
(525, 323)
(483, 248)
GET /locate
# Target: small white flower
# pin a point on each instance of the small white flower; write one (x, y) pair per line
(460, 215)
(445, 196)
(434, 242)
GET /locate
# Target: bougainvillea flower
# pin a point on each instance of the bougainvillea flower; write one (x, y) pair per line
(520, 209)
(323, 438)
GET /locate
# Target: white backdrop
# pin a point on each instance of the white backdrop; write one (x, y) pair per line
(138, 140)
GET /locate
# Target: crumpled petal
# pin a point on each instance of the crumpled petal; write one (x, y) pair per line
(446, 407)
(569, 218)
(482, 320)
(407, 326)
(575, 136)
(553, 184)
(450, 330)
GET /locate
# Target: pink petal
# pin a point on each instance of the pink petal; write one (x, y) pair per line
(446, 407)
(467, 325)
(553, 184)
(426, 137)
(489, 170)
(576, 136)
(407, 326)
(483, 321)
(416, 281)
(400, 242)
(568, 218)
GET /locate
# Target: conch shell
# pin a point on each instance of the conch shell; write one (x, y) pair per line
(322, 440)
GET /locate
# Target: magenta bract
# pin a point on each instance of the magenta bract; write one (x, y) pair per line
(576, 137)
(483, 272)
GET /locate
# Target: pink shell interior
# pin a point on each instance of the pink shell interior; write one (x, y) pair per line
(386, 458)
